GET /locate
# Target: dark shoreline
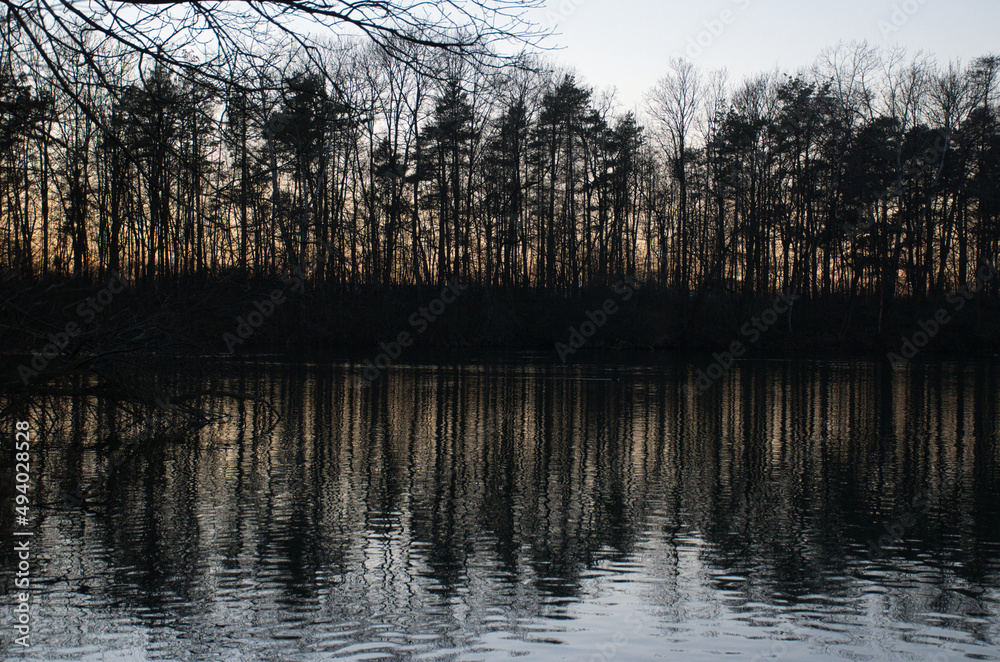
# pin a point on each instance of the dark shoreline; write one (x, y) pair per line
(212, 317)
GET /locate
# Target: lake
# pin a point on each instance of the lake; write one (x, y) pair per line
(488, 506)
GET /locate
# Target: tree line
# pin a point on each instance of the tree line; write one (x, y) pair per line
(870, 173)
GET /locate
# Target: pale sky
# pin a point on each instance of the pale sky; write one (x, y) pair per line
(627, 44)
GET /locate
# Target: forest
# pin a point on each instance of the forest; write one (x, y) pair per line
(867, 179)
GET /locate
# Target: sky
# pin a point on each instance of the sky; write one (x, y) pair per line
(627, 44)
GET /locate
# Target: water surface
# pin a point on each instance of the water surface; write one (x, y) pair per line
(485, 508)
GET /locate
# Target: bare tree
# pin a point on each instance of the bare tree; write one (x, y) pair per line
(675, 103)
(192, 35)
